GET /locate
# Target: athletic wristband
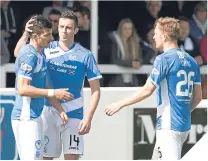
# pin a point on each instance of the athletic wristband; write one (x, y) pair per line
(51, 92)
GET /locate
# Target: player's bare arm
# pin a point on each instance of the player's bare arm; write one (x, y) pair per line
(25, 89)
(197, 96)
(23, 40)
(138, 96)
(85, 124)
(57, 105)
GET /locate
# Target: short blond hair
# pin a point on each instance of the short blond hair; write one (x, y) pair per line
(170, 27)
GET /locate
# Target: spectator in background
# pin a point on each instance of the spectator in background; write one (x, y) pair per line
(203, 48)
(149, 49)
(57, 5)
(126, 52)
(178, 8)
(8, 23)
(152, 13)
(83, 15)
(186, 42)
(83, 36)
(54, 16)
(78, 3)
(198, 23)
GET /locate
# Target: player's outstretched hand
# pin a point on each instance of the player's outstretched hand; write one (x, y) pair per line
(29, 24)
(84, 127)
(64, 118)
(112, 109)
(62, 94)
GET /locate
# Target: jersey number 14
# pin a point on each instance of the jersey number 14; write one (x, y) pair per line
(187, 81)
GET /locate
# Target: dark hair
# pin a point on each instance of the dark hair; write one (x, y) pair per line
(83, 11)
(183, 18)
(201, 6)
(39, 24)
(70, 15)
(54, 12)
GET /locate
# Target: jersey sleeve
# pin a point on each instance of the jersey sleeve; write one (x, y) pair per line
(27, 64)
(197, 80)
(159, 70)
(92, 70)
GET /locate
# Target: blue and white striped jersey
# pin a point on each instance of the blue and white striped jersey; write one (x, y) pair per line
(67, 69)
(30, 65)
(174, 74)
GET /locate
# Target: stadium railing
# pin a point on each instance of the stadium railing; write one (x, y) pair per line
(104, 68)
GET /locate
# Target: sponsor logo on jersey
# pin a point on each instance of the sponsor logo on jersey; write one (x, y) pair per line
(25, 67)
(155, 71)
(62, 70)
(54, 52)
(71, 72)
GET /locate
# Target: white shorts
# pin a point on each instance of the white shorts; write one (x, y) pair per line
(29, 138)
(55, 135)
(169, 144)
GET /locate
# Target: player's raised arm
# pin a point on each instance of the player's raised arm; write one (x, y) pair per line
(23, 40)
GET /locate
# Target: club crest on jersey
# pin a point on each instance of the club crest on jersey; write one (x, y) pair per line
(72, 57)
(155, 71)
(25, 67)
(38, 144)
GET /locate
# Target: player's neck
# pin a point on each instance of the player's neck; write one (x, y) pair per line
(66, 45)
(169, 45)
(35, 45)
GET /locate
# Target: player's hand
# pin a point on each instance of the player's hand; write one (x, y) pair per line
(84, 127)
(29, 24)
(62, 94)
(112, 109)
(136, 64)
(64, 118)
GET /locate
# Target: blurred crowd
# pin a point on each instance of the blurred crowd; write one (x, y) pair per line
(125, 31)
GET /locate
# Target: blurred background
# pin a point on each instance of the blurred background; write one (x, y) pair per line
(120, 35)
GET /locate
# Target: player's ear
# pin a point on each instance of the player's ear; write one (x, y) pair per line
(34, 36)
(164, 37)
(76, 30)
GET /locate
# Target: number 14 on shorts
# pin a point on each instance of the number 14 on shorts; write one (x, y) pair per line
(74, 142)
